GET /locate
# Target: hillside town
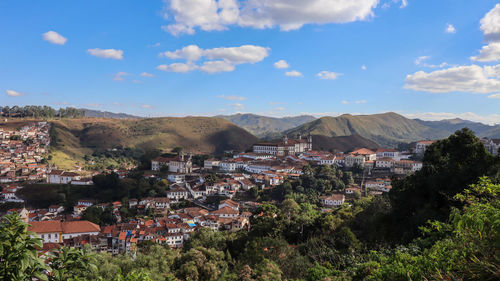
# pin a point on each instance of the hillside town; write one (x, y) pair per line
(187, 205)
(23, 151)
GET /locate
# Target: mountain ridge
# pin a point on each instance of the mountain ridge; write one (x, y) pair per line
(265, 126)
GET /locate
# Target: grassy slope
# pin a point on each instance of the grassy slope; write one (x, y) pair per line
(263, 126)
(76, 137)
(387, 129)
(344, 143)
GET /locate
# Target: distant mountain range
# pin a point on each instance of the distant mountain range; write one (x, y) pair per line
(266, 127)
(451, 125)
(107, 114)
(387, 129)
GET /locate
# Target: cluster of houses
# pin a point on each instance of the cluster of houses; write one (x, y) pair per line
(22, 152)
(172, 229)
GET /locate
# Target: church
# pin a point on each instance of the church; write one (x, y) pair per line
(284, 147)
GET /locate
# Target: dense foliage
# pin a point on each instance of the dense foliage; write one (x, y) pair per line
(35, 111)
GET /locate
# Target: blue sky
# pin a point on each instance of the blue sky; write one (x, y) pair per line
(425, 59)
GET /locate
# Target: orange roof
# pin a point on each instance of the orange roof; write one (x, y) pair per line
(363, 151)
(45, 226)
(80, 227)
(225, 210)
(122, 235)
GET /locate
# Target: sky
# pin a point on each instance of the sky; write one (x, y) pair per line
(424, 59)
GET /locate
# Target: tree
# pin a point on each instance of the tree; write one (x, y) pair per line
(18, 251)
(449, 165)
(71, 264)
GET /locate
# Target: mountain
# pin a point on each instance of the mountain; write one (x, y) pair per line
(451, 125)
(107, 114)
(266, 127)
(387, 129)
(343, 143)
(72, 139)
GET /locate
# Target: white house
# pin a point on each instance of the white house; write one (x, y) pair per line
(57, 231)
(333, 200)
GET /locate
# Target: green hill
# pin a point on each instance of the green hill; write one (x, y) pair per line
(343, 143)
(451, 125)
(74, 138)
(387, 129)
(267, 127)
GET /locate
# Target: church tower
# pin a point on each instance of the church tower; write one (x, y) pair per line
(309, 142)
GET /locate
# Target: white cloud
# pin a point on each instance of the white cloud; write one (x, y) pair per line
(145, 74)
(363, 67)
(404, 3)
(279, 108)
(281, 64)
(490, 24)
(217, 66)
(223, 59)
(177, 67)
(146, 106)
(237, 105)
(328, 75)
(287, 14)
(293, 73)
(54, 38)
(494, 96)
(232, 97)
(106, 53)
(490, 52)
(12, 93)
(433, 116)
(238, 55)
(420, 59)
(137, 81)
(355, 102)
(119, 76)
(470, 79)
(450, 28)
(189, 53)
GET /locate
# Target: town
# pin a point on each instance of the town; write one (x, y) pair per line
(215, 194)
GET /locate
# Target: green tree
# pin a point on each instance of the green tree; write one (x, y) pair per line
(18, 251)
(71, 264)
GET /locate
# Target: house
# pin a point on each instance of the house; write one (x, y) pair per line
(492, 145)
(161, 203)
(178, 164)
(57, 231)
(352, 189)
(229, 203)
(387, 152)
(56, 209)
(333, 200)
(85, 202)
(421, 146)
(177, 192)
(62, 177)
(226, 212)
(285, 147)
(211, 164)
(176, 178)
